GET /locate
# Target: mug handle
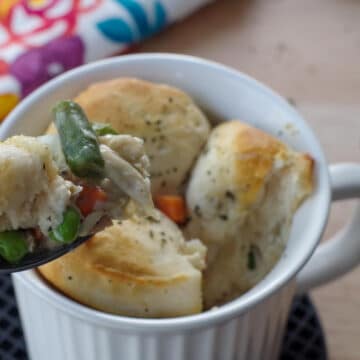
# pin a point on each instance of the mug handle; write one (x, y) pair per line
(342, 252)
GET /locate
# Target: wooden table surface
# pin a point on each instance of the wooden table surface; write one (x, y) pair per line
(308, 51)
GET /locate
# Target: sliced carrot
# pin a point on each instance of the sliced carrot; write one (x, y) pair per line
(89, 197)
(173, 206)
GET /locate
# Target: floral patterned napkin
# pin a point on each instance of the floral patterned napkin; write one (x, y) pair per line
(39, 39)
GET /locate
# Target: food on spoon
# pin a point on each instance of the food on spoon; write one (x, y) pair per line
(242, 195)
(173, 128)
(140, 267)
(45, 179)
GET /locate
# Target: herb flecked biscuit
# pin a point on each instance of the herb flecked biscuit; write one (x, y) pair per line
(242, 194)
(173, 128)
(141, 268)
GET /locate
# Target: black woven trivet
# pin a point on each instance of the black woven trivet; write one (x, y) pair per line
(304, 339)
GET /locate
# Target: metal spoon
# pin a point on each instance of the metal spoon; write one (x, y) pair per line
(40, 257)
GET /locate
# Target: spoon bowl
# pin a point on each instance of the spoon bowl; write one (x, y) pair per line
(40, 257)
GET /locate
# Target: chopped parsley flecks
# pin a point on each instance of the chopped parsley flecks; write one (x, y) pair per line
(251, 260)
(254, 255)
(230, 195)
(197, 211)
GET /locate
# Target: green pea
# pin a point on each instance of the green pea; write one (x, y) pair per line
(13, 246)
(68, 230)
(103, 129)
(78, 140)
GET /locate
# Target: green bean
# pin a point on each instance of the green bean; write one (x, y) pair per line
(13, 245)
(103, 129)
(78, 140)
(68, 230)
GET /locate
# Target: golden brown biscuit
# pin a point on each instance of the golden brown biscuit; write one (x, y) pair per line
(242, 194)
(140, 267)
(173, 127)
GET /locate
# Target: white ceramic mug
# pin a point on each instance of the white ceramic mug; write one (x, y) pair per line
(250, 327)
